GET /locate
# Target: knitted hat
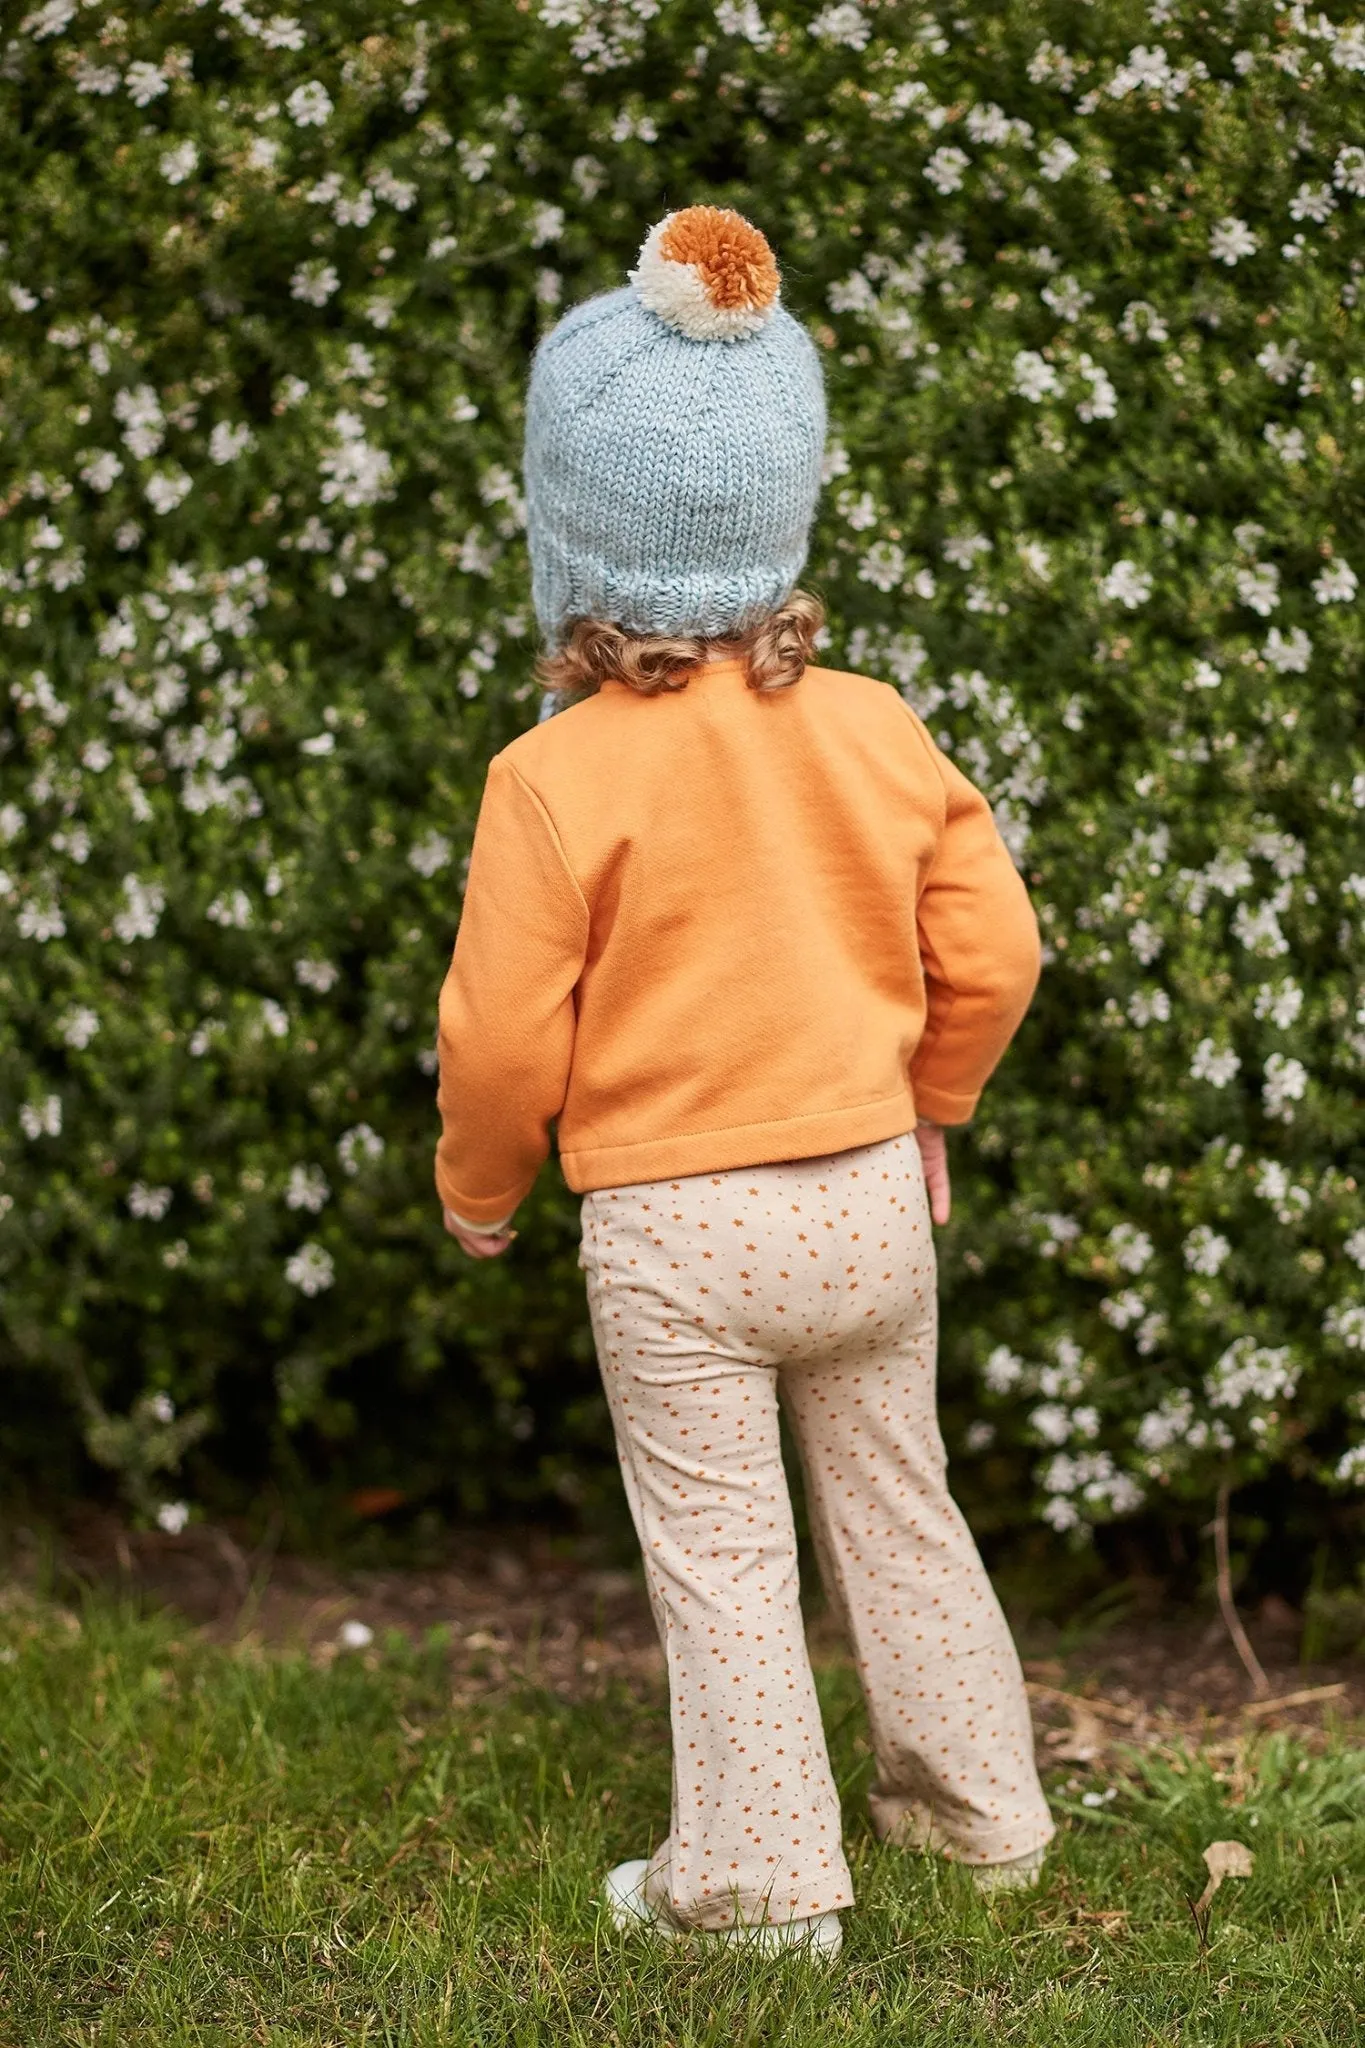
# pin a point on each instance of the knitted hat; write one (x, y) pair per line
(674, 436)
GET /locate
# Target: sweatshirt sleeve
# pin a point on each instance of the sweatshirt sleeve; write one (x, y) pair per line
(979, 947)
(507, 1012)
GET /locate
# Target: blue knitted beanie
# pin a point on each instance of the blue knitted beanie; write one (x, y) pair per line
(674, 437)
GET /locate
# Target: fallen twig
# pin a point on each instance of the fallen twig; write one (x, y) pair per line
(1107, 1710)
(1296, 1699)
(1233, 1619)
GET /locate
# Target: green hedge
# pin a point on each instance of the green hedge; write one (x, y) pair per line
(1086, 281)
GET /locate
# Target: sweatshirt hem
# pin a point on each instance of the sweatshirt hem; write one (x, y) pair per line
(587, 1168)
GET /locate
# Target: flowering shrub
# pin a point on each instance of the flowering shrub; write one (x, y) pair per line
(1086, 281)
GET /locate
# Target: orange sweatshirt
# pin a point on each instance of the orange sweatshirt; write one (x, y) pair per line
(717, 928)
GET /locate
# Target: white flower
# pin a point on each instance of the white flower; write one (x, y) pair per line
(148, 1202)
(307, 1188)
(1126, 584)
(395, 191)
(1286, 1080)
(144, 421)
(1066, 299)
(356, 472)
(1141, 319)
(1312, 202)
(1205, 1250)
(1279, 365)
(78, 1026)
(859, 513)
(1036, 559)
(1259, 930)
(42, 1120)
(1056, 160)
(1052, 1422)
(1119, 1310)
(854, 294)
(228, 441)
(315, 974)
(1145, 940)
(167, 488)
(1248, 1370)
(1001, 1371)
(22, 299)
(1288, 442)
(1209, 1064)
(179, 163)
(1346, 1321)
(1230, 240)
(355, 1635)
(1166, 1424)
(145, 83)
(310, 1269)
(262, 153)
(961, 549)
(844, 24)
(309, 105)
(231, 909)
(1351, 1465)
(48, 20)
(11, 823)
(1354, 1248)
(40, 921)
(1050, 61)
(474, 159)
(101, 469)
(172, 1516)
(883, 565)
(1259, 587)
(274, 1018)
(1272, 1184)
(1206, 676)
(547, 225)
(1291, 656)
(161, 1408)
(430, 853)
(320, 743)
(97, 78)
(1349, 172)
(358, 1144)
(1060, 1513)
(1131, 1248)
(1280, 1003)
(314, 282)
(1336, 584)
(144, 903)
(1103, 402)
(1034, 378)
(1146, 1006)
(945, 168)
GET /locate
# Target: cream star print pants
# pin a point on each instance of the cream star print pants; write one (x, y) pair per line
(814, 1282)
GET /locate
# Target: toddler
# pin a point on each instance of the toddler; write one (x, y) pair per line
(744, 933)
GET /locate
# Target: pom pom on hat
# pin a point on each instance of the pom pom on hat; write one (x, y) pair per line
(708, 272)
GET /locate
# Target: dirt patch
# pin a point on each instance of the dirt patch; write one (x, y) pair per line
(516, 1610)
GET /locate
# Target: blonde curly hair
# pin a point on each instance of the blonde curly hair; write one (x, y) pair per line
(775, 651)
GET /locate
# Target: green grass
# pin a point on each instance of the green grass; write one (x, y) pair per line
(208, 1846)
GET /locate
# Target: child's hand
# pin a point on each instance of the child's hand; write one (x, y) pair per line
(478, 1245)
(933, 1149)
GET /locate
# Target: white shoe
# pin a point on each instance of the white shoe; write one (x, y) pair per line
(1015, 1876)
(624, 1895)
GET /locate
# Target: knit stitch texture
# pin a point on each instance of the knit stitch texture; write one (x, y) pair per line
(670, 482)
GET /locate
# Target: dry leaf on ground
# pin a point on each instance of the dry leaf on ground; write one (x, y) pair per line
(1224, 1859)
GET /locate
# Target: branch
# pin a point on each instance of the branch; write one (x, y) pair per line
(1233, 1619)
